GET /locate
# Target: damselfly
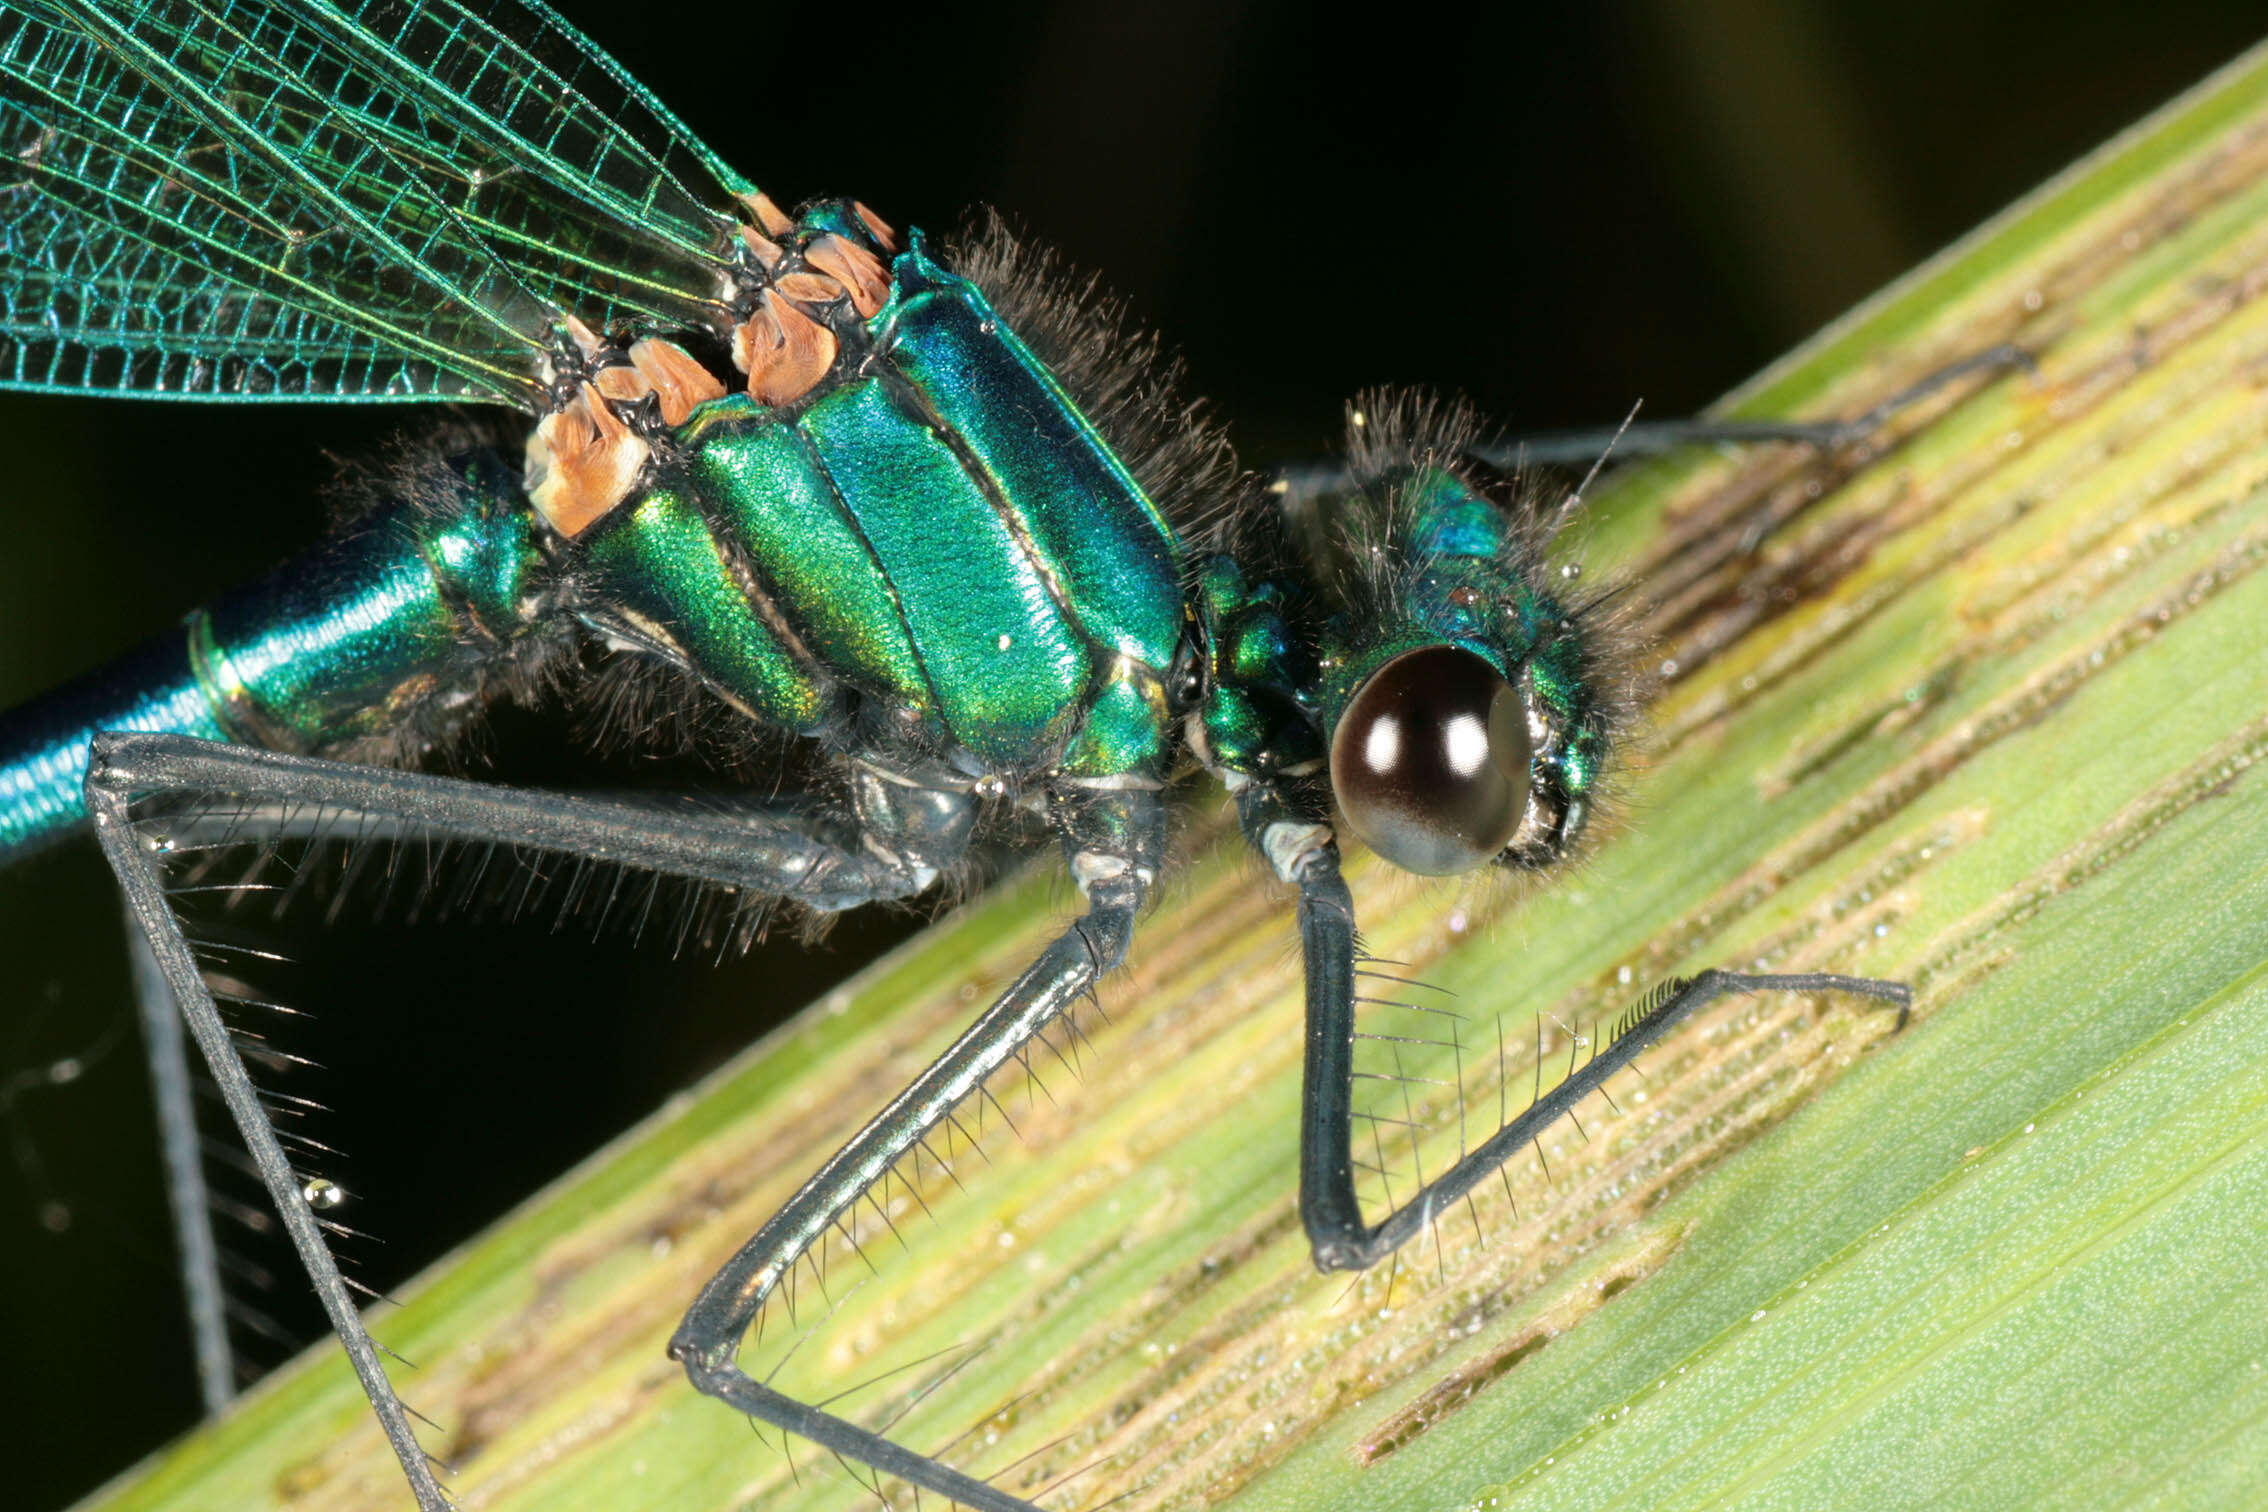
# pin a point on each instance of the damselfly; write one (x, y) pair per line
(412, 247)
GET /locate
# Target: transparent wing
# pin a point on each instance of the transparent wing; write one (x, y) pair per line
(633, 192)
(564, 171)
(166, 234)
(381, 201)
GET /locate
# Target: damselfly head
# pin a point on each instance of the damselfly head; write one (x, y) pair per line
(1430, 761)
(1468, 696)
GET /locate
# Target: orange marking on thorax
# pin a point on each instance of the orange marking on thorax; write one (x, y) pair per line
(856, 269)
(876, 227)
(783, 351)
(767, 251)
(679, 381)
(783, 347)
(582, 461)
(775, 221)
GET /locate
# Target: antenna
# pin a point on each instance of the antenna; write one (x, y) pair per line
(1598, 464)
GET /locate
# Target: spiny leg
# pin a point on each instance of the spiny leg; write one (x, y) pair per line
(1114, 841)
(1649, 438)
(1299, 484)
(187, 1195)
(138, 875)
(782, 855)
(1304, 853)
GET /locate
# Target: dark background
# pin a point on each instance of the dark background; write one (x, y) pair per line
(1555, 213)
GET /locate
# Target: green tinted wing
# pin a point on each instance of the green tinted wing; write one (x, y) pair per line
(164, 234)
(590, 188)
(570, 176)
(380, 201)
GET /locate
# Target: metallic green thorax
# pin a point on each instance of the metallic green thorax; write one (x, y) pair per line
(940, 532)
(933, 553)
(1258, 717)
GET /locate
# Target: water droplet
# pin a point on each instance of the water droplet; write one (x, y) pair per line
(322, 1195)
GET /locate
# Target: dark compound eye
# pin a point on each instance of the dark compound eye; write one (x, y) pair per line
(1430, 762)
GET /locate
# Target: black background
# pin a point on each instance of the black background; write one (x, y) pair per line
(1553, 212)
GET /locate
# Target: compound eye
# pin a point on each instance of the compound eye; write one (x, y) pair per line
(1430, 762)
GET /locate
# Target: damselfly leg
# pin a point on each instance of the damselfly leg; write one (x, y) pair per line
(187, 1195)
(1114, 843)
(1301, 849)
(1298, 485)
(886, 835)
(887, 840)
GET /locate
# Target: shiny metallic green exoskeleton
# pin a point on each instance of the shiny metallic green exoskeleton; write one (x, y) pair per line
(934, 557)
(939, 546)
(941, 556)
(783, 465)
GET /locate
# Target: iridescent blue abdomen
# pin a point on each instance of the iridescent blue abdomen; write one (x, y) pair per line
(375, 643)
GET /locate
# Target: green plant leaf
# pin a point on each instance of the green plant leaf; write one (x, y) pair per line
(1978, 708)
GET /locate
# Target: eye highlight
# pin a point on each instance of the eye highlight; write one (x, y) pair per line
(1430, 761)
